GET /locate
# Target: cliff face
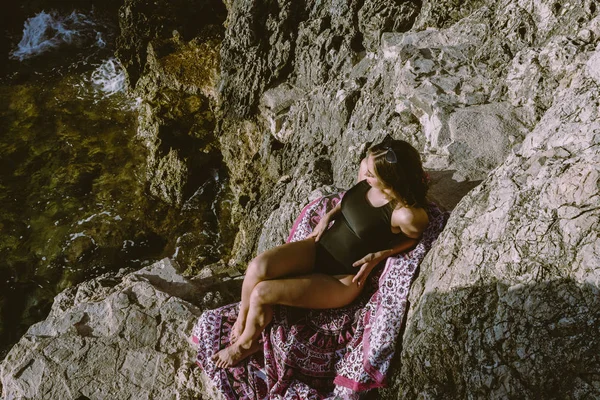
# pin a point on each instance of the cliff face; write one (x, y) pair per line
(504, 94)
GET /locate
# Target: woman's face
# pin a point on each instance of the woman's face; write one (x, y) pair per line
(372, 178)
(374, 181)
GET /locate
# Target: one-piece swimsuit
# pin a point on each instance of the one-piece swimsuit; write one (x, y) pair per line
(360, 229)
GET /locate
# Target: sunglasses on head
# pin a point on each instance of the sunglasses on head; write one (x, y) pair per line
(390, 156)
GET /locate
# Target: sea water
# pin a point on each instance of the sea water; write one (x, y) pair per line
(73, 197)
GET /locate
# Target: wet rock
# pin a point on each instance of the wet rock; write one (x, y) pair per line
(78, 248)
(169, 177)
(142, 21)
(191, 66)
(178, 130)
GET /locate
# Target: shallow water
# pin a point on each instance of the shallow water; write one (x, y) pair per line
(73, 197)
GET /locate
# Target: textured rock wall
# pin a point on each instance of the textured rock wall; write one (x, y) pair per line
(508, 301)
(503, 93)
(142, 21)
(506, 304)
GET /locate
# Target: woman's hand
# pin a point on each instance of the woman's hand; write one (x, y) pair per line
(320, 228)
(366, 264)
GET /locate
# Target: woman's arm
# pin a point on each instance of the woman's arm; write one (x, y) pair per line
(334, 212)
(402, 246)
(368, 262)
(324, 222)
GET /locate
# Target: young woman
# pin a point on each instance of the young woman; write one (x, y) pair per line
(328, 268)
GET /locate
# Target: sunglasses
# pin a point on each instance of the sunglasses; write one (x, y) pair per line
(390, 156)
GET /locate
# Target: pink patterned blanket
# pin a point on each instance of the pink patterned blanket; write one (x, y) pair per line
(317, 354)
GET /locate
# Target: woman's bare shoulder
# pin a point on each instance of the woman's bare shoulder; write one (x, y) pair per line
(412, 221)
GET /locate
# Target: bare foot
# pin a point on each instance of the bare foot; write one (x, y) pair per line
(236, 331)
(230, 356)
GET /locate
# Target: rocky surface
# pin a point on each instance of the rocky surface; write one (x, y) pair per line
(500, 92)
(502, 99)
(508, 301)
(117, 337)
(171, 53)
(144, 21)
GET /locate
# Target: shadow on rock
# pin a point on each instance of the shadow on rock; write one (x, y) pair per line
(501, 341)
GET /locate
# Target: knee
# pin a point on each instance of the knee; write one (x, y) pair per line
(261, 294)
(258, 267)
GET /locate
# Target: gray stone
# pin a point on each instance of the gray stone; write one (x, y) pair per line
(481, 138)
(128, 340)
(376, 16)
(516, 302)
(504, 95)
(593, 67)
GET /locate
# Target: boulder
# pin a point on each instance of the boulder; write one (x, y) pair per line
(118, 337)
(507, 302)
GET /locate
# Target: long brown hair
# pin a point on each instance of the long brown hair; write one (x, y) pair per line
(404, 177)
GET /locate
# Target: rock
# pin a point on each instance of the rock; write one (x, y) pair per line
(444, 13)
(516, 303)
(503, 97)
(376, 17)
(171, 54)
(482, 137)
(142, 21)
(189, 67)
(249, 27)
(275, 106)
(113, 337)
(178, 130)
(593, 67)
(168, 178)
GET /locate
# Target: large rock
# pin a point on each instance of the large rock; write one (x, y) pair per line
(512, 284)
(507, 303)
(142, 21)
(115, 337)
(504, 92)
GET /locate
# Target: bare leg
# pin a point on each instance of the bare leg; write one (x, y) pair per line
(308, 291)
(289, 259)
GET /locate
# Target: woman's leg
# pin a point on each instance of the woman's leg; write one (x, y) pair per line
(296, 258)
(308, 291)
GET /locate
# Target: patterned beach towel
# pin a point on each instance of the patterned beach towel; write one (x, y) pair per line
(318, 354)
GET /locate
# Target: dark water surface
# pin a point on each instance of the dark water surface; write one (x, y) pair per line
(73, 197)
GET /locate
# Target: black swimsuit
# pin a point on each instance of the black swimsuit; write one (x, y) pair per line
(359, 230)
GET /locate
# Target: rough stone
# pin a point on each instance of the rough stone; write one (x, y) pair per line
(504, 94)
(115, 337)
(481, 138)
(479, 88)
(146, 20)
(510, 291)
(376, 17)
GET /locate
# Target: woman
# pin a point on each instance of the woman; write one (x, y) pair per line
(328, 268)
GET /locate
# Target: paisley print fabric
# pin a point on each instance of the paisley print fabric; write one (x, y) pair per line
(317, 354)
